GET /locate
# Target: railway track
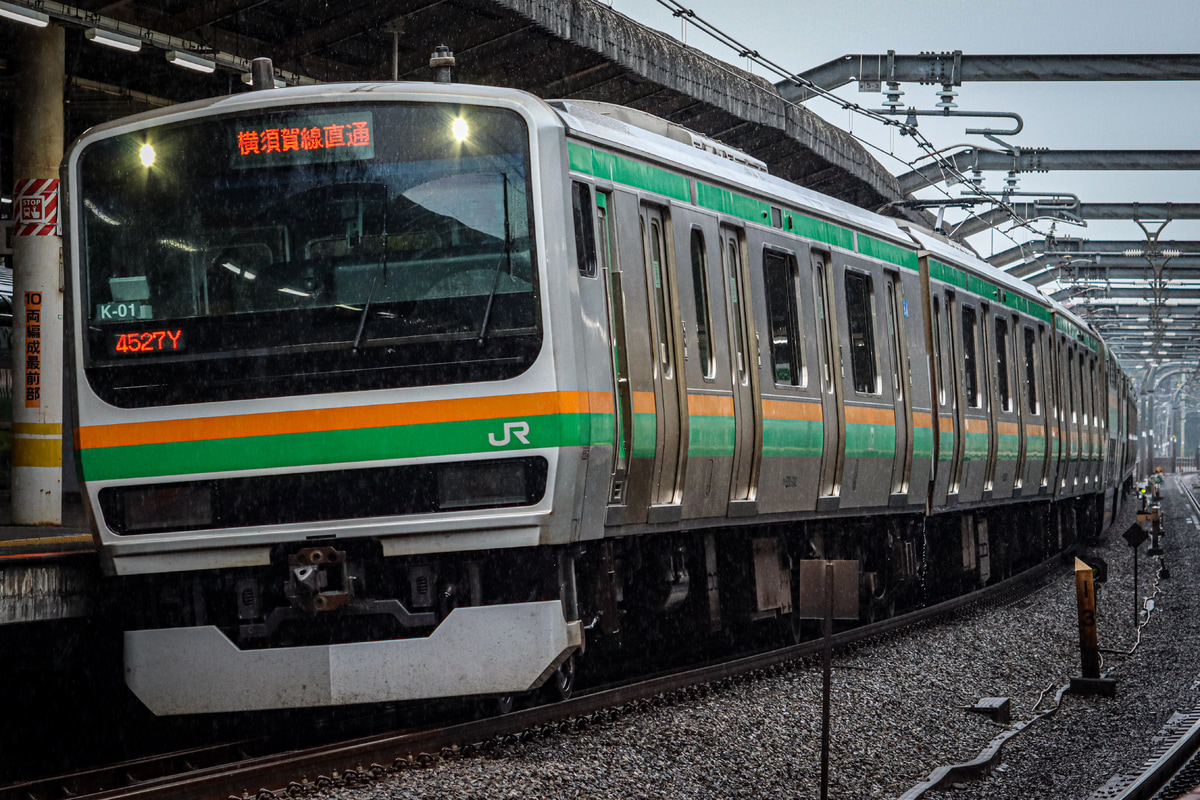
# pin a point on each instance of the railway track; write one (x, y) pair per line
(229, 770)
(1173, 766)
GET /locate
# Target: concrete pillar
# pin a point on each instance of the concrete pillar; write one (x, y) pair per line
(37, 279)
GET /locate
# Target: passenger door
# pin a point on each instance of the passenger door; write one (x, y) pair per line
(671, 423)
(744, 366)
(902, 465)
(831, 382)
(611, 277)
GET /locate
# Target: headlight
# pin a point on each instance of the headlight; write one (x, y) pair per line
(487, 484)
(167, 508)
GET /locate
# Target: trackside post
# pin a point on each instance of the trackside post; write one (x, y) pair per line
(1089, 682)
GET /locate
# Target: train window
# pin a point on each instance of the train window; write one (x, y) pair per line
(1031, 391)
(861, 316)
(1002, 364)
(894, 328)
(1096, 394)
(658, 272)
(585, 232)
(970, 362)
(937, 351)
(1093, 392)
(1071, 386)
(708, 364)
(823, 321)
(1083, 393)
(733, 266)
(779, 276)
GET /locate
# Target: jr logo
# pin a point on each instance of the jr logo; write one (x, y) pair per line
(518, 429)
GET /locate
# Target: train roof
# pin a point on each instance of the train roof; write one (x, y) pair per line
(670, 144)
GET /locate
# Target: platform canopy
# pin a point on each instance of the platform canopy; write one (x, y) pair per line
(553, 48)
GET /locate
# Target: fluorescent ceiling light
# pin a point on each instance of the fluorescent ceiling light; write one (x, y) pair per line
(181, 58)
(26, 15)
(111, 39)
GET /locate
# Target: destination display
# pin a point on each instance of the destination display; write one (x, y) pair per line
(306, 139)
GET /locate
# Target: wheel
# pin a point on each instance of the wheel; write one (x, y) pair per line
(562, 683)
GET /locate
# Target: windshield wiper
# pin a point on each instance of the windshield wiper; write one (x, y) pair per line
(362, 320)
(506, 259)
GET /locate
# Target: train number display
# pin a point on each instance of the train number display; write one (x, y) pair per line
(141, 342)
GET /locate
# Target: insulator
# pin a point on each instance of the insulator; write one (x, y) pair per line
(947, 96)
(893, 94)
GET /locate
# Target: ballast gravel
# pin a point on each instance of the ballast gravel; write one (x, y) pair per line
(898, 708)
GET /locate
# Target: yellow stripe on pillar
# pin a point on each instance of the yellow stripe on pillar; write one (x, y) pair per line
(45, 452)
(38, 428)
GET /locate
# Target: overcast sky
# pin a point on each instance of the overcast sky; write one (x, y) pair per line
(1141, 115)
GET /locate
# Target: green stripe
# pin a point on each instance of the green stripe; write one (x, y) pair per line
(793, 437)
(337, 447)
(947, 274)
(732, 203)
(827, 232)
(645, 435)
(946, 450)
(1072, 330)
(976, 446)
(886, 251)
(922, 442)
(957, 277)
(628, 172)
(1008, 446)
(868, 440)
(710, 437)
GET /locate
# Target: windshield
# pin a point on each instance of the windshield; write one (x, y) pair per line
(311, 249)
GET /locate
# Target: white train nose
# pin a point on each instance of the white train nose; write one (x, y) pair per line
(197, 670)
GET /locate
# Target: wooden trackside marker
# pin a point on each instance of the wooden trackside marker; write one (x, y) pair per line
(1089, 681)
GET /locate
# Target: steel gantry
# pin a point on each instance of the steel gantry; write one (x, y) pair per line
(1075, 213)
(978, 159)
(954, 68)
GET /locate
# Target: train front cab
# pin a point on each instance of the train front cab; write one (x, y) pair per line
(334, 537)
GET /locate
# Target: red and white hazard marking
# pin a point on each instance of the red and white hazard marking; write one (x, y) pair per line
(36, 207)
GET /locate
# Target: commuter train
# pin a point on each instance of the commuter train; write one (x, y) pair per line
(399, 390)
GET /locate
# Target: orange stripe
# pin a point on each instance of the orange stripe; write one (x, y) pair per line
(870, 416)
(8, 556)
(1035, 430)
(643, 403)
(922, 419)
(946, 424)
(792, 409)
(1008, 428)
(707, 405)
(600, 402)
(976, 425)
(333, 419)
(45, 540)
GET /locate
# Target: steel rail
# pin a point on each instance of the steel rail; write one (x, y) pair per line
(271, 775)
(1174, 754)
